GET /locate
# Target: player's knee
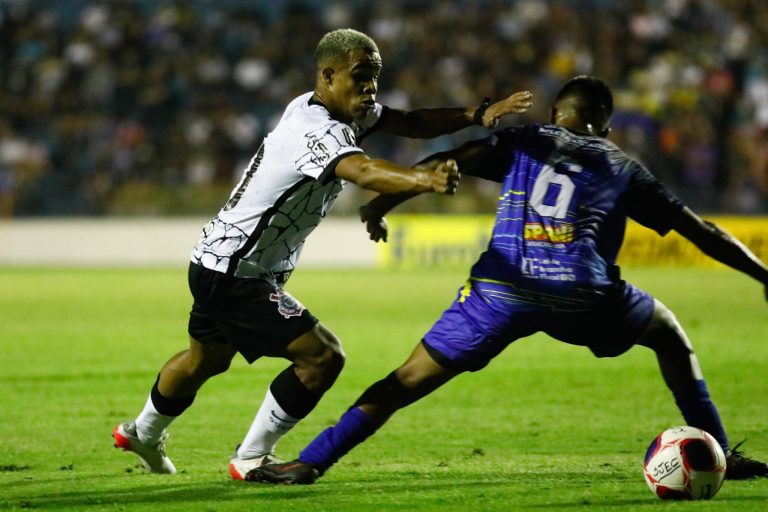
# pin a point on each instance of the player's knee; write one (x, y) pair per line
(665, 333)
(665, 318)
(319, 372)
(318, 358)
(408, 379)
(330, 363)
(327, 355)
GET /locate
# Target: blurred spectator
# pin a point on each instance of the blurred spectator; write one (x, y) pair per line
(154, 107)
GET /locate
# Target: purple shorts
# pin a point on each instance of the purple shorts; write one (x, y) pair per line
(478, 325)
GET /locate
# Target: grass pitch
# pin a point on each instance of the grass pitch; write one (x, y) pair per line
(545, 426)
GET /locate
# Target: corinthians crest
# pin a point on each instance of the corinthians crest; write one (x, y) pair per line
(286, 304)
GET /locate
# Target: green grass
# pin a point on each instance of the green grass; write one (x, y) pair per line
(545, 426)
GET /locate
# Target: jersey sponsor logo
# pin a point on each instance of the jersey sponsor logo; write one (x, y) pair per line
(319, 150)
(548, 269)
(286, 304)
(559, 233)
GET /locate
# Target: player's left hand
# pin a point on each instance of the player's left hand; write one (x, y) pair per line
(517, 103)
(375, 224)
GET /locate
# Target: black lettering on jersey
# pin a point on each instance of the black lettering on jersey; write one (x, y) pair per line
(246, 180)
(318, 149)
(349, 136)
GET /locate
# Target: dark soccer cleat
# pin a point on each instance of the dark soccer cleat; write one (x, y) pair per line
(739, 467)
(239, 468)
(287, 473)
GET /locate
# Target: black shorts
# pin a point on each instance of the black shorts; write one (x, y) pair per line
(251, 314)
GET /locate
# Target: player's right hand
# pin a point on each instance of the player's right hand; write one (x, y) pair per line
(517, 103)
(375, 224)
(445, 177)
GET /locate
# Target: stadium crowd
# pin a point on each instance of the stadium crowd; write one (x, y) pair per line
(154, 107)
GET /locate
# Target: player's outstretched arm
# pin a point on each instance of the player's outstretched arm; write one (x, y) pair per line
(720, 245)
(425, 123)
(388, 178)
(372, 214)
(517, 103)
(472, 156)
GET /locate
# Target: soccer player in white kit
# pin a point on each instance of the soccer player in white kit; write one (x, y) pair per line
(247, 251)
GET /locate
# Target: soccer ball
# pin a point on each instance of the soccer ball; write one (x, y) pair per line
(684, 463)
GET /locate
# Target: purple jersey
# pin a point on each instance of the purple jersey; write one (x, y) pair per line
(561, 215)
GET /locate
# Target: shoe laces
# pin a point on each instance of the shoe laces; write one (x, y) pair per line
(161, 443)
(735, 452)
(736, 456)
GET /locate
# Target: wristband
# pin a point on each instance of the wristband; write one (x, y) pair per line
(480, 111)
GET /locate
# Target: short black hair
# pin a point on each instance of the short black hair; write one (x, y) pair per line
(590, 96)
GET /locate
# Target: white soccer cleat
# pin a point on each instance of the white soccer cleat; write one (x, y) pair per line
(238, 467)
(152, 456)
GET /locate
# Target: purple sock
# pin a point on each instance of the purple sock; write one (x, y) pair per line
(331, 444)
(699, 411)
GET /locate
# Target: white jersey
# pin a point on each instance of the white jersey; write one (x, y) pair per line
(286, 190)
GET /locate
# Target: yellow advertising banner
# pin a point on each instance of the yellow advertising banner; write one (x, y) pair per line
(645, 247)
(424, 241)
(449, 241)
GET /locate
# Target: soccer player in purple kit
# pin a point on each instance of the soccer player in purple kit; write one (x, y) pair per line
(550, 266)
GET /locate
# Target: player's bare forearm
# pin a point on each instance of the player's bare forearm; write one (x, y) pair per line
(426, 123)
(726, 249)
(372, 214)
(721, 246)
(469, 157)
(382, 204)
(383, 177)
(389, 178)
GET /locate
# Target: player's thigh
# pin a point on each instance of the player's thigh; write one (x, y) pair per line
(213, 356)
(315, 347)
(476, 328)
(252, 315)
(611, 328)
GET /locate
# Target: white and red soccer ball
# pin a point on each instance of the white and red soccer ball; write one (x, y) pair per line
(684, 463)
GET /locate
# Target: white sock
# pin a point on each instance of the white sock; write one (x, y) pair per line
(150, 424)
(269, 425)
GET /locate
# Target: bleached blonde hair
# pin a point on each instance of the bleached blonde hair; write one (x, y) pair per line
(337, 44)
